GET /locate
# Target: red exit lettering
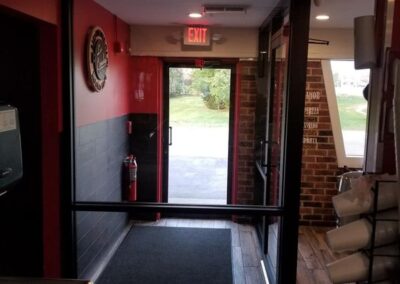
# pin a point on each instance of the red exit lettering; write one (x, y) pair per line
(197, 35)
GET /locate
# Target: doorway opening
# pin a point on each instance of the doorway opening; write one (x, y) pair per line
(198, 109)
(21, 208)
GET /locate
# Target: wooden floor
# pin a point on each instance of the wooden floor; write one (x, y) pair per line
(313, 253)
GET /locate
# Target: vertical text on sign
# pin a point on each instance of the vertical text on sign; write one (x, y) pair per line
(310, 140)
(311, 112)
(313, 95)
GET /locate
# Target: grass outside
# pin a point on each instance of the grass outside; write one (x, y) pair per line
(191, 110)
(352, 112)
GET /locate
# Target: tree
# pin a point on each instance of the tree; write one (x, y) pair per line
(176, 82)
(213, 85)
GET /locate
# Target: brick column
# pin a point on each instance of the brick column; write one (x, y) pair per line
(319, 163)
(246, 130)
(319, 166)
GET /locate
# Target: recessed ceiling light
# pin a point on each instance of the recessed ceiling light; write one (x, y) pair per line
(195, 15)
(322, 17)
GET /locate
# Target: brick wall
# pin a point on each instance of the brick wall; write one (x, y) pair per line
(246, 130)
(319, 164)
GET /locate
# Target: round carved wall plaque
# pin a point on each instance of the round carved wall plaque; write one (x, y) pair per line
(97, 59)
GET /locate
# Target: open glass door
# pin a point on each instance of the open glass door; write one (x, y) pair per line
(96, 208)
(283, 135)
(274, 142)
(198, 105)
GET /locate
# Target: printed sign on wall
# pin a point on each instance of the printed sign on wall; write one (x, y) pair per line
(196, 36)
(311, 117)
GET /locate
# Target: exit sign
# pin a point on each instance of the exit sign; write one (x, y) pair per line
(198, 36)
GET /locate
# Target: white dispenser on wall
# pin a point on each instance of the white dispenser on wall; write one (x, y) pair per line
(10, 148)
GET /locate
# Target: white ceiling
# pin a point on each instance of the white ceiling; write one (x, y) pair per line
(175, 12)
(341, 12)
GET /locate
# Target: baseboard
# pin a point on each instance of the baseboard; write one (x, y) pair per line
(264, 272)
(100, 268)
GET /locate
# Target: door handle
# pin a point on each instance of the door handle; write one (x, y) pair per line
(270, 142)
(5, 172)
(170, 136)
(262, 146)
(262, 157)
(262, 160)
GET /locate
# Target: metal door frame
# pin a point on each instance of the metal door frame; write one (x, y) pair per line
(189, 63)
(293, 132)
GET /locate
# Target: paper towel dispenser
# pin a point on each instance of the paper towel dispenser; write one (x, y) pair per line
(10, 147)
(364, 42)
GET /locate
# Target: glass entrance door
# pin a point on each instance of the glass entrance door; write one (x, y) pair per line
(274, 145)
(199, 104)
(94, 208)
(280, 161)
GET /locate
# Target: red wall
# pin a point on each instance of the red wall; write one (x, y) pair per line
(45, 10)
(51, 126)
(113, 100)
(396, 27)
(91, 107)
(146, 77)
(146, 94)
(147, 97)
(50, 76)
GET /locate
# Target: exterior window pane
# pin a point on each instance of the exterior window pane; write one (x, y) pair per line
(349, 85)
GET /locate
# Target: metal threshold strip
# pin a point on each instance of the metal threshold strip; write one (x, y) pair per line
(178, 208)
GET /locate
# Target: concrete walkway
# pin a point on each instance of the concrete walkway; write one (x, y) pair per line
(354, 141)
(198, 163)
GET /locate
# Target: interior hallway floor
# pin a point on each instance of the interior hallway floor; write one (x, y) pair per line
(313, 253)
(246, 255)
(313, 256)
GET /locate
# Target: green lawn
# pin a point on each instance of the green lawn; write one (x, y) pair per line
(192, 111)
(352, 113)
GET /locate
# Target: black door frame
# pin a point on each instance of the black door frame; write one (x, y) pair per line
(298, 13)
(69, 267)
(276, 36)
(293, 128)
(190, 63)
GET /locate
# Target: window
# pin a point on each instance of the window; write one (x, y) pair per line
(348, 109)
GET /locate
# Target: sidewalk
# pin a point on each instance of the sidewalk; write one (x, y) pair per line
(198, 163)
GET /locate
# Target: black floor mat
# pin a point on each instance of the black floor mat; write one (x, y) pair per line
(157, 255)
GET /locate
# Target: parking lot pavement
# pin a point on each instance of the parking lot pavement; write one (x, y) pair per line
(198, 164)
(199, 141)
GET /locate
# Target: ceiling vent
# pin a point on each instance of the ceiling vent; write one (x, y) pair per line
(224, 9)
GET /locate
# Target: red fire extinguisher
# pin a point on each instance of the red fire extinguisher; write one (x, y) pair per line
(131, 167)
